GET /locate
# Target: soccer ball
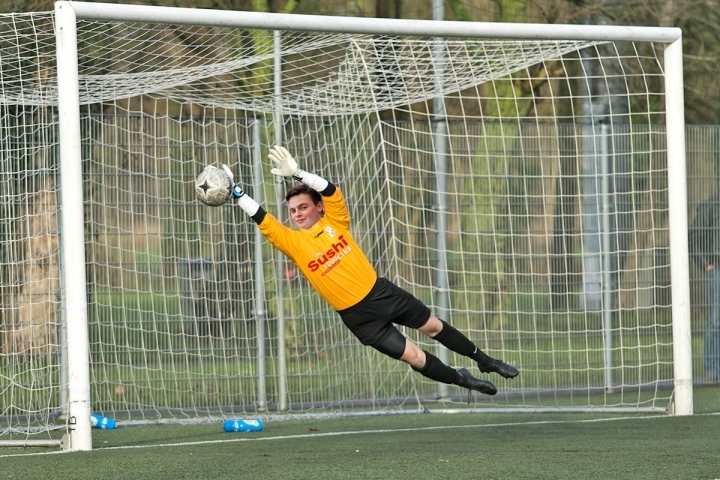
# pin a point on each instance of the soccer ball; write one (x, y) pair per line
(213, 186)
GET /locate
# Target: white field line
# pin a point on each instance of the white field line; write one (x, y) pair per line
(355, 432)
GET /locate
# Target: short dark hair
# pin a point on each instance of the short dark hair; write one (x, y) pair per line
(300, 189)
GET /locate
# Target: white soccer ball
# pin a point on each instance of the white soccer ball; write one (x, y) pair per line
(213, 186)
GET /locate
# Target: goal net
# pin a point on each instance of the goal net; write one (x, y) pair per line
(519, 187)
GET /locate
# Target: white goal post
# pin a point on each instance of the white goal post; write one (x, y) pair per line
(526, 181)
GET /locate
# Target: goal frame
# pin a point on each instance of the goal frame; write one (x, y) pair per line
(74, 290)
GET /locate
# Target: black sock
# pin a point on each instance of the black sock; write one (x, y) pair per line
(453, 339)
(481, 357)
(435, 369)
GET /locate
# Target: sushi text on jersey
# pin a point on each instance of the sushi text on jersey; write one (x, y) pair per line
(331, 257)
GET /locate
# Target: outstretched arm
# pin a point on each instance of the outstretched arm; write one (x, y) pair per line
(286, 166)
(245, 201)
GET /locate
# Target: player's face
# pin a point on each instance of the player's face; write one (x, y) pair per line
(303, 212)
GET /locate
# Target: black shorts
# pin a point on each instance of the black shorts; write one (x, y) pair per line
(371, 320)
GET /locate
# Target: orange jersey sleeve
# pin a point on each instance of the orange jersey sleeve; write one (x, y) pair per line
(326, 254)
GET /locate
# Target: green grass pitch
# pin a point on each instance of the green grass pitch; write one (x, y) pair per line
(422, 445)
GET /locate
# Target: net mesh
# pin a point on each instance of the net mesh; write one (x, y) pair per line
(517, 187)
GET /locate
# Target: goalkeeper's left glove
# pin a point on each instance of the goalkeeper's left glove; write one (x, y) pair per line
(286, 166)
(245, 201)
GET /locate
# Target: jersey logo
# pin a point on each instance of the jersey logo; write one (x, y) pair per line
(331, 257)
(330, 231)
(319, 233)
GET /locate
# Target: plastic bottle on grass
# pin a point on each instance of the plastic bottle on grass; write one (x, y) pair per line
(240, 425)
(105, 423)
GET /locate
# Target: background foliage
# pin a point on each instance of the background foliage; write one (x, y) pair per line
(699, 20)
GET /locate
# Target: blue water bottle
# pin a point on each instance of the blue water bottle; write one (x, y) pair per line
(105, 423)
(240, 425)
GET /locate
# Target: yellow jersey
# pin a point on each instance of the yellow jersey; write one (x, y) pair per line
(326, 254)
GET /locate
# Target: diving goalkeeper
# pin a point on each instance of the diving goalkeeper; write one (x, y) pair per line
(324, 250)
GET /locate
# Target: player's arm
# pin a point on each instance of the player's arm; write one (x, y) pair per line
(277, 234)
(245, 201)
(286, 166)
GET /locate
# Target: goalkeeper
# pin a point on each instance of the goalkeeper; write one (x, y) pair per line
(324, 250)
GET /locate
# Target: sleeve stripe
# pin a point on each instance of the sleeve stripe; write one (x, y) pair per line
(259, 216)
(329, 190)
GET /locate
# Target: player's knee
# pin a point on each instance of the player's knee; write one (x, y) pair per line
(415, 358)
(432, 327)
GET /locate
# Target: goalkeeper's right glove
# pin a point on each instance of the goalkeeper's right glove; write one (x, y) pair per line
(245, 201)
(235, 189)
